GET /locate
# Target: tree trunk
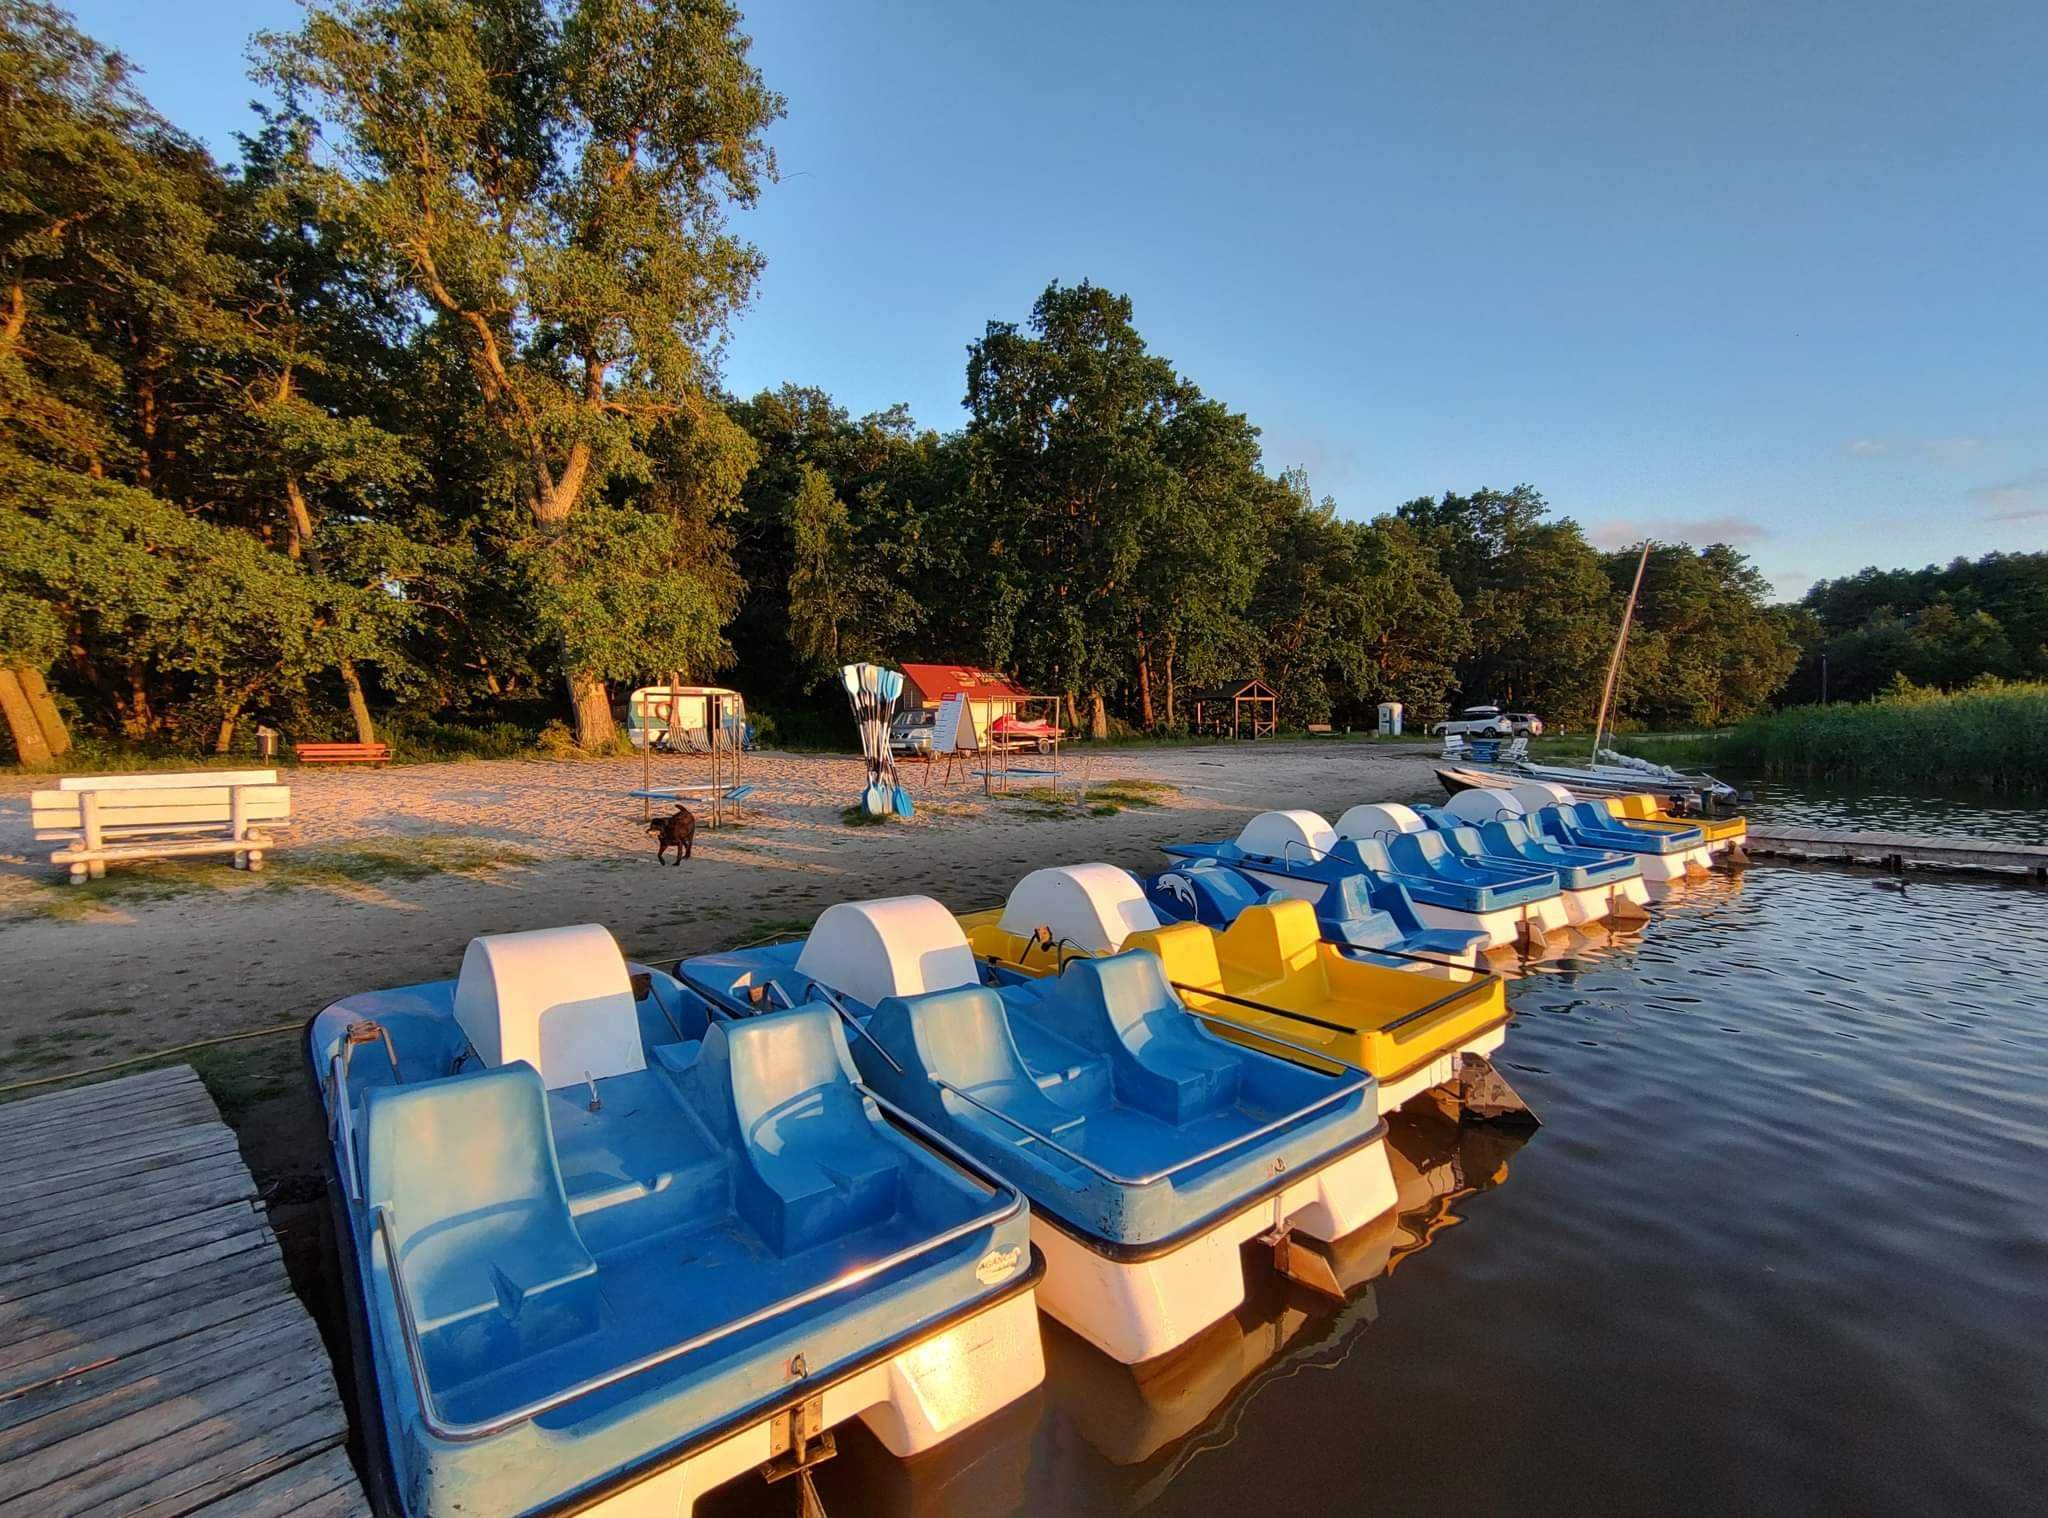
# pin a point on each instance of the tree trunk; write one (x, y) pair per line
(358, 708)
(29, 744)
(1170, 647)
(1098, 719)
(224, 740)
(48, 718)
(1145, 685)
(594, 729)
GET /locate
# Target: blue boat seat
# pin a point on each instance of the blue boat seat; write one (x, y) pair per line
(1161, 1060)
(816, 1169)
(491, 1258)
(963, 1036)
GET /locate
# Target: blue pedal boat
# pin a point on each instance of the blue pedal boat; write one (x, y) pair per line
(1666, 855)
(1595, 884)
(1360, 911)
(1298, 853)
(1150, 1148)
(603, 1251)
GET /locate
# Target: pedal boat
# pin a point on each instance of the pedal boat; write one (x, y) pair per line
(1725, 835)
(1668, 857)
(1269, 980)
(1299, 854)
(603, 1252)
(1151, 1149)
(1360, 912)
(1596, 885)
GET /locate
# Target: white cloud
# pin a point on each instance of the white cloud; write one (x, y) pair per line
(2018, 500)
(1698, 531)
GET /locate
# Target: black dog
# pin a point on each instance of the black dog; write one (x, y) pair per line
(678, 832)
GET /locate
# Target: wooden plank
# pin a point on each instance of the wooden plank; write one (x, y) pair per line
(95, 1258)
(46, 1403)
(113, 853)
(1908, 850)
(321, 1487)
(252, 1285)
(73, 1317)
(136, 1148)
(36, 1188)
(179, 1109)
(170, 780)
(105, 1094)
(139, 806)
(53, 1436)
(175, 1452)
(82, 1217)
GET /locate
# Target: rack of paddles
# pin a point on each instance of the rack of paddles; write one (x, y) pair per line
(873, 692)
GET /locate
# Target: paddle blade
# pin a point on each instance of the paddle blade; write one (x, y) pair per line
(903, 803)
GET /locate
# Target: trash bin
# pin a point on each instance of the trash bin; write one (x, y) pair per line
(266, 742)
(1390, 719)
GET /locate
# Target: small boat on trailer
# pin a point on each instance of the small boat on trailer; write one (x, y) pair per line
(603, 1251)
(1298, 853)
(1151, 1149)
(1269, 980)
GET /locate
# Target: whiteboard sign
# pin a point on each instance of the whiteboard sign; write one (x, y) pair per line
(955, 715)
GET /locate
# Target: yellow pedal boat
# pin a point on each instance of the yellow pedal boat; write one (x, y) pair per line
(1724, 835)
(1271, 973)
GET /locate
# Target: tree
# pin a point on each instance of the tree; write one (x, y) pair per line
(551, 176)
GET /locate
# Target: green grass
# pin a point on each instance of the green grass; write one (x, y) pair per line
(1104, 800)
(344, 869)
(858, 816)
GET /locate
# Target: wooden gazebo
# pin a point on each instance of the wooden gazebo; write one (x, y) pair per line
(1235, 705)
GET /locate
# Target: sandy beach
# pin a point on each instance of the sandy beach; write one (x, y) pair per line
(392, 871)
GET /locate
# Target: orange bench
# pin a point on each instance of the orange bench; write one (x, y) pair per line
(342, 753)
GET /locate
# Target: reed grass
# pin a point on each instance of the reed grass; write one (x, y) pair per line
(1993, 737)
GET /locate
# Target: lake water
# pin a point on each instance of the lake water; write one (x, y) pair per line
(1781, 1245)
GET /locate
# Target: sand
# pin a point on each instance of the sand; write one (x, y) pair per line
(187, 950)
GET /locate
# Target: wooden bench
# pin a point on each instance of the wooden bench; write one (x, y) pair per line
(342, 753)
(1319, 730)
(102, 818)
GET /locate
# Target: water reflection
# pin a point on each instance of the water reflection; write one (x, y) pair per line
(1101, 1437)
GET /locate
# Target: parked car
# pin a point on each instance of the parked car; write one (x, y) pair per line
(1526, 724)
(1479, 722)
(911, 732)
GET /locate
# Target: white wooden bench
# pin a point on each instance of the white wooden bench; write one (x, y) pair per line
(100, 818)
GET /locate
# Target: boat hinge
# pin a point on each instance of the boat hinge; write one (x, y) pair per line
(798, 1440)
(1301, 1261)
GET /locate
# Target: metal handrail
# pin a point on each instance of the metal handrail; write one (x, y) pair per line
(832, 1001)
(483, 1428)
(1152, 1178)
(1452, 998)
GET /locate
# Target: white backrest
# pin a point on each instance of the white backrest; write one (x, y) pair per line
(1375, 818)
(191, 807)
(183, 780)
(1484, 804)
(1294, 836)
(897, 946)
(557, 998)
(1537, 794)
(1092, 906)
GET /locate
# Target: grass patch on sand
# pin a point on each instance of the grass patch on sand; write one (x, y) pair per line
(858, 816)
(153, 880)
(1104, 800)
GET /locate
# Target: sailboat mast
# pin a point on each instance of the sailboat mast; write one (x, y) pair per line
(1614, 659)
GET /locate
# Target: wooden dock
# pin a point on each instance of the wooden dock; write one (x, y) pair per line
(153, 1359)
(1900, 851)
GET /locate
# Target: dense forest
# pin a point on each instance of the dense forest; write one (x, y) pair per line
(412, 418)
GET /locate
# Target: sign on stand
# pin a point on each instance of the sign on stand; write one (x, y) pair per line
(953, 731)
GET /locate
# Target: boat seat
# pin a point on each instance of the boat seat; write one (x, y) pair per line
(818, 1169)
(1273, 941)
(1161, 1061)
(491, 1258)
(963, 1036)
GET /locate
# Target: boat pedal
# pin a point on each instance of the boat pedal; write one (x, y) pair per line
(1303, 1262)
(798, 1440)
(1736, 858)
(1484, 1095)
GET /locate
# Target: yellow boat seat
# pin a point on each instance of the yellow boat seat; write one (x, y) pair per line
(1271, 972)
(1644, 808)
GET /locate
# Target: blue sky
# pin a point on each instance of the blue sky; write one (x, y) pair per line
(1765, 272)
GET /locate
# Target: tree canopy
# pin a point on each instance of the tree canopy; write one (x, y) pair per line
(413, 413)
